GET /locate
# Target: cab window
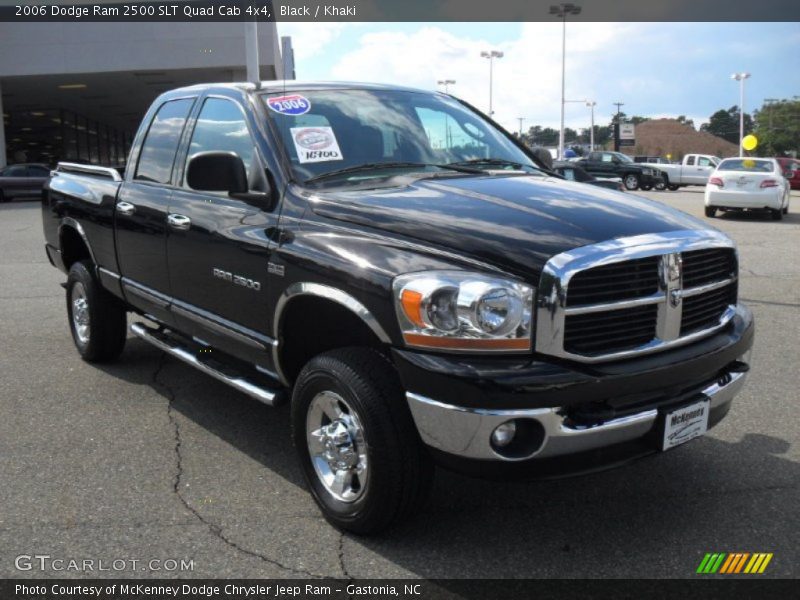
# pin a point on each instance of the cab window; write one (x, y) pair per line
(221, 127)
(161, 143)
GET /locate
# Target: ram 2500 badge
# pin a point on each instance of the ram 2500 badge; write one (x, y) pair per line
(409, 277)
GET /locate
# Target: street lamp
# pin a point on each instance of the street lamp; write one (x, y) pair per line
(591, 104)
(740, 77)
(520, 119)
(446, 83)
(491, 55)
(561, 11)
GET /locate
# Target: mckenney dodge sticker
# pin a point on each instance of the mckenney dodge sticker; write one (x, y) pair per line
(315, 144)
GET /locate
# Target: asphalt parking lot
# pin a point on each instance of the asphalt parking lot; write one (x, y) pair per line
(148, 459)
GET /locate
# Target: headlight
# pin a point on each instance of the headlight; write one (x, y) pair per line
(454, 310)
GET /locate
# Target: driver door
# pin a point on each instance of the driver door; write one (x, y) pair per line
(218, 247)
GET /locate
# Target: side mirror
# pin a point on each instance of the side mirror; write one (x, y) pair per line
(217, 172)
(788, 174)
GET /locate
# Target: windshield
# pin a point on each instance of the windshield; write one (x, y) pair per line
(624, 158)
(746, 164)
(352, 135)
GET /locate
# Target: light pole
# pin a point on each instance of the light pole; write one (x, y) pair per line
(740, 77)
(491, 55)
(561, 11)
(591, 104)
(446, 83)
(520, 119)
(616, 126)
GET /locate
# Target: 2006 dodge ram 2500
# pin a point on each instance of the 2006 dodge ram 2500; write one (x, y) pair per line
(407, 275)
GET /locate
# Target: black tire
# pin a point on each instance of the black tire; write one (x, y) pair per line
(631, 181)
(672, 187)
(399, 470)
(107, 323)
(663, 185)
(646, 188)
(711, 212)
(777, 214)
(2, 197)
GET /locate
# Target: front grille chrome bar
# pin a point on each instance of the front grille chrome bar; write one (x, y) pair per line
(551, 304)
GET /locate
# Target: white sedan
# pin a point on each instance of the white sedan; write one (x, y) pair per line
(748, 184)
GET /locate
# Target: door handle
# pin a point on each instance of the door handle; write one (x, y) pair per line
(180, 222)
(125, 208)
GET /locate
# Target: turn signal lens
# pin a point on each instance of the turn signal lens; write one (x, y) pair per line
(412, 306)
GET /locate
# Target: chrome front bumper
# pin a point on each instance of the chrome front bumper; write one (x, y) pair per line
(466, 432)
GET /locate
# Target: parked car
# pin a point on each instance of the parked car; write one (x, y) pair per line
(748, 184)
(657, 160)
(404, 273)
(24, 179)
(573, 172)
(616, 164)
(791, 170)
(694, 169)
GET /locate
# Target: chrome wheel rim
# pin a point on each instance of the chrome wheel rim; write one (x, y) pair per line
(336, 445)
(80, 313)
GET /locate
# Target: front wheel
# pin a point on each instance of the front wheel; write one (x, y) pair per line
(646, 188)
(631, 181)
(355, 437)
(672, 187)
(662, 185)
(97, 320)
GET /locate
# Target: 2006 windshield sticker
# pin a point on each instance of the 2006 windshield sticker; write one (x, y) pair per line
(315, 144)
(293, 105)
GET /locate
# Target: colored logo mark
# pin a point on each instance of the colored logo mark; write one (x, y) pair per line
(734, 562)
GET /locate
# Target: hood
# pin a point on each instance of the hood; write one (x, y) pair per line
(514, 222)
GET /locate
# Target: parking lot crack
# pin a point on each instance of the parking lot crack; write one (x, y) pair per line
(213, 528)
(342, 564)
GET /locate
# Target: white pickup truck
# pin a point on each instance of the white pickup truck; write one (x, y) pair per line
(694, 170)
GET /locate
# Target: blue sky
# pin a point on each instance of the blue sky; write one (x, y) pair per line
(656, 69)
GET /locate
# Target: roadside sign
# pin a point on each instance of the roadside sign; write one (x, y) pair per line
(627, 142)
(627, 131)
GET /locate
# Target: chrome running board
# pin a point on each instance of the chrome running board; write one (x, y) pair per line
(181, 350)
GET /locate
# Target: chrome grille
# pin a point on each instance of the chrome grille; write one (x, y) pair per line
(636, 295)
(620, 281)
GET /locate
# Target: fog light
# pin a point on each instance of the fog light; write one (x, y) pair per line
(504, 434)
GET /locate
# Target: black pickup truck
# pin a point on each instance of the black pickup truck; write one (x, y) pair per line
(616, 164)
(409, 278)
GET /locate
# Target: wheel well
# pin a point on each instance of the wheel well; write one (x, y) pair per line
(73, 248)
(311, 325)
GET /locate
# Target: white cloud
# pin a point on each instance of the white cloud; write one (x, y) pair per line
(527, 80)
(311, 39)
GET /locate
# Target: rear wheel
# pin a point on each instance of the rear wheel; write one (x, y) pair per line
(356, 440)
(777, 214)
(662, 185)
(631, 181)
(672, 187)
(646, 188)
(97, 320)
(2, 197)
(711, 212)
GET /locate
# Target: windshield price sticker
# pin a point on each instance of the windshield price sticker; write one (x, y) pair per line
(315, 144)
(293, 105)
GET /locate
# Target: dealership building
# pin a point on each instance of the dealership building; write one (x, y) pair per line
(77, 91)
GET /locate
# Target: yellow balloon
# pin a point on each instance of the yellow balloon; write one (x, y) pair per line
(750, 142)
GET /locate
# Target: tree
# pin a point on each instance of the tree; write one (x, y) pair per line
(778, 128)
(684, 121)
(725, 124)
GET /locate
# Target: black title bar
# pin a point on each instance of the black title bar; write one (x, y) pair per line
(399, 10)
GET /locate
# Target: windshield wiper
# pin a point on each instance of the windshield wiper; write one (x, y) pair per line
(498, 162)
(390, 165)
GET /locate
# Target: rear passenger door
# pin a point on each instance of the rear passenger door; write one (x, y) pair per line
(141, 211)
(218, 258)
